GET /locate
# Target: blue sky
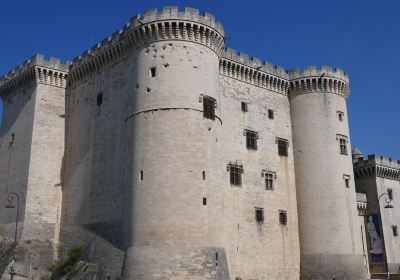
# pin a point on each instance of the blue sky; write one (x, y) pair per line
(361, 37)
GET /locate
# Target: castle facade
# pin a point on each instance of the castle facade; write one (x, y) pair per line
(169, 156)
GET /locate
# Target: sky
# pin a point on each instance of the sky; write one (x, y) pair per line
(361, 37)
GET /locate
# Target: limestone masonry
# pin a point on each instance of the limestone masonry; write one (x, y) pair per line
(169, 156)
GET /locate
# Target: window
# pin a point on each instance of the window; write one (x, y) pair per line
(283, 217)
(270, 114)
(204, 201)
(390, 194)
(99, 99)
(204, 175)
(235, 172)
(251, 139)
(346, 180)
(269, 180)
(395, 232)
(342, 143)
(340, 115)
(260, 215)
(283, 145)
(12, 138)
(153, 71)
(209, 107)
(244, 106)
(141, 175)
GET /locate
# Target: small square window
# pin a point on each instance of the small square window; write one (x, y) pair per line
(244, 106)
(235, 172)
(209, 107)
(99, 99)
(251, 139)
(282, 147)
(270, 114)
(390, 194)
(283, 217)
(260, 215)
(395, 232)
(269, 180)
(340, 115)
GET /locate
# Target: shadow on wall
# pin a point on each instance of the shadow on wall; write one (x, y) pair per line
(1, 111)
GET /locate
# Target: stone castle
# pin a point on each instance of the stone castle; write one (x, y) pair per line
(169, 156)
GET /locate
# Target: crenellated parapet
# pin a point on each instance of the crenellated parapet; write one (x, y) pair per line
(379, 166)
(170, 24)
(36, 70)
(254, 71)
(324, 79)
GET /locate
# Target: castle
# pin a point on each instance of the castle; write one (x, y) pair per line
(169, 156)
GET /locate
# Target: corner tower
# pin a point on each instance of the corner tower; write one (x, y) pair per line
(330, 241)
(174, 205)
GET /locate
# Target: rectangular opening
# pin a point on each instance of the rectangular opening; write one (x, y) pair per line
(269, 180)
(283, 217)
(204, 175)
(99, 99)
(395, 232)
(235, 174)
(342, 143)
(204, 201)
(259, 215)
(270, 114)
(141, 175)
(390, 194)
(251, 139)
(12, 138)
(340, 115)
(153, 71)
(209, 107)
(282, 147)
(244, 106)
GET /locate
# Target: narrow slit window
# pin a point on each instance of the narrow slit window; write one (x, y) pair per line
(283, 217)
(204, 175)
(390, 194)
(204, 201)
(141, 175)
(209, 107)
(395, 232)
(346, 180)
(244, 106)
(251, 139)
(153, 72)
(271, 114)
(259, 215)
(340, 115)
(12, 138)
(99, 99)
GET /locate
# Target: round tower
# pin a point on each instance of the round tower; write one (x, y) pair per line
(330, 241)
(174, 202)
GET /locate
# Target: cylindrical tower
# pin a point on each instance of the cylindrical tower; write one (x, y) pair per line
(174, 202)
(330, 241)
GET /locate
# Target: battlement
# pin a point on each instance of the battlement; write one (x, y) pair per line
(172, 12)
(314, 71)
(324, 79)
(254, 62)
(169, 24)
(253, 71)
(375, 159)
(37, 68)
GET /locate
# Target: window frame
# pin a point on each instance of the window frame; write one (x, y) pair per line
(269, 180)
(244, 106)
(282, 143)
(209, 105)
(259, 215)
(251, 139)
(395, 231)
(343, 141)
(283, 217)
(271, 114)
(235, 174)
